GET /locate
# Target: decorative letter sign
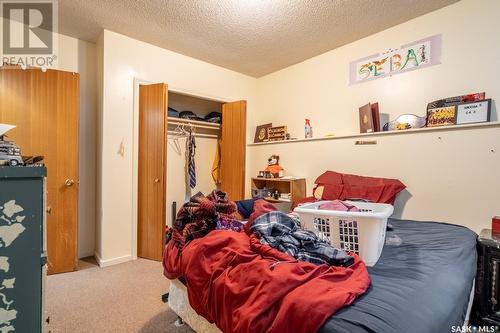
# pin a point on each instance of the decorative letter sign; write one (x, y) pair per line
(416, 55)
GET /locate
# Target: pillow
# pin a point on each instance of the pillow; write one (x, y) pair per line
(341, 186)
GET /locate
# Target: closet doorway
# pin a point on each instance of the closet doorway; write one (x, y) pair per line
(45, 107)
(160, 157)
(220, 147)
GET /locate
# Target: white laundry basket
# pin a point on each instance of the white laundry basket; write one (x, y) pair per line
(362, 232)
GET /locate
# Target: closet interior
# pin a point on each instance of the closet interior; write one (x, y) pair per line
(206, 137)
(202, 144)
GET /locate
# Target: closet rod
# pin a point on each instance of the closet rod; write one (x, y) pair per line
(200, 135)
(180, 121)
(198, 126)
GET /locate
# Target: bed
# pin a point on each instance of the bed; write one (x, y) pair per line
(423, 282)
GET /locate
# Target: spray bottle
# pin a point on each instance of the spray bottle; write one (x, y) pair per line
(308, 130)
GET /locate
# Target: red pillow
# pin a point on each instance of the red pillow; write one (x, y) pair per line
(345, 186)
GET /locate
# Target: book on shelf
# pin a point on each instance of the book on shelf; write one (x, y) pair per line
(369, 118)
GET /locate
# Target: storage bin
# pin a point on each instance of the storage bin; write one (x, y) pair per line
(362, 232)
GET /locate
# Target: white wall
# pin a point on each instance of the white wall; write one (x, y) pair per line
(451, 176)
(123, 60)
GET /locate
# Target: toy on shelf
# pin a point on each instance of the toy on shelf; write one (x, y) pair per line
(273, 167)
(10, 153)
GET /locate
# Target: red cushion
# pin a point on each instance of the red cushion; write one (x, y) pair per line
(345, 186)
(332, 191)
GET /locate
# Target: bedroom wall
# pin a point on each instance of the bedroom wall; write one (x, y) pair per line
(451, 176)
(126, 59)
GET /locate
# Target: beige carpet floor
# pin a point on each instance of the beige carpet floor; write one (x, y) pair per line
(121, 298)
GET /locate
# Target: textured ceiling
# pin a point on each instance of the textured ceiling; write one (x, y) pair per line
(255, 37)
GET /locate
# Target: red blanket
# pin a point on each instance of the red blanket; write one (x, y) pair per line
(244, 286)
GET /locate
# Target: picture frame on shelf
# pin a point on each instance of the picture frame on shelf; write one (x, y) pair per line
(441, 116)
(261, 133)
(277, 133)
(474, 112)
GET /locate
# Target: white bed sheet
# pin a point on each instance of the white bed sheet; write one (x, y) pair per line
(179, 303)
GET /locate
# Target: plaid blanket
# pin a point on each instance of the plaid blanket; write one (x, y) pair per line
(283, 233)
(199, 216)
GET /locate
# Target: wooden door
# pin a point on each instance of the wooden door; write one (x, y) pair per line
(151, 199)
(233, 148)
(45, 108)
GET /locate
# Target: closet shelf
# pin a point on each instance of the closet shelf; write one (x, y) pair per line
(375, 134)
(194, 123)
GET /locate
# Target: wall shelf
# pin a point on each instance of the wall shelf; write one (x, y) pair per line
(376, 134)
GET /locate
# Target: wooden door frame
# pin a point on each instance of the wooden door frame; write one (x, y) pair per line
(135, 147)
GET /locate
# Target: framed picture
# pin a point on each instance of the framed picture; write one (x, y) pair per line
(261, 133)
(442, 116)
(277, 133)
(474, 112)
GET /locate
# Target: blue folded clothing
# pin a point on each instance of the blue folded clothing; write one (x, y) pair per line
(245, 207)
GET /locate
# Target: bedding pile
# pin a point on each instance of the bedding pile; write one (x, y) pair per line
(200, 215)
(243, 285)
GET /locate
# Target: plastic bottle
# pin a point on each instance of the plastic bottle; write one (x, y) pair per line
(308, 130)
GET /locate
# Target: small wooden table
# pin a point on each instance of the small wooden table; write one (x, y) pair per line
(295, 186)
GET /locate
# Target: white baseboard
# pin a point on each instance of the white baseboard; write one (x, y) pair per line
(112, 261)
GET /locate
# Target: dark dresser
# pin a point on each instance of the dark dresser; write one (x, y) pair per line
(486, 308)
(22, 249)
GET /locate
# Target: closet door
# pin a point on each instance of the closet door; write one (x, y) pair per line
(151, 199)
(45, 108)
(233, 148)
